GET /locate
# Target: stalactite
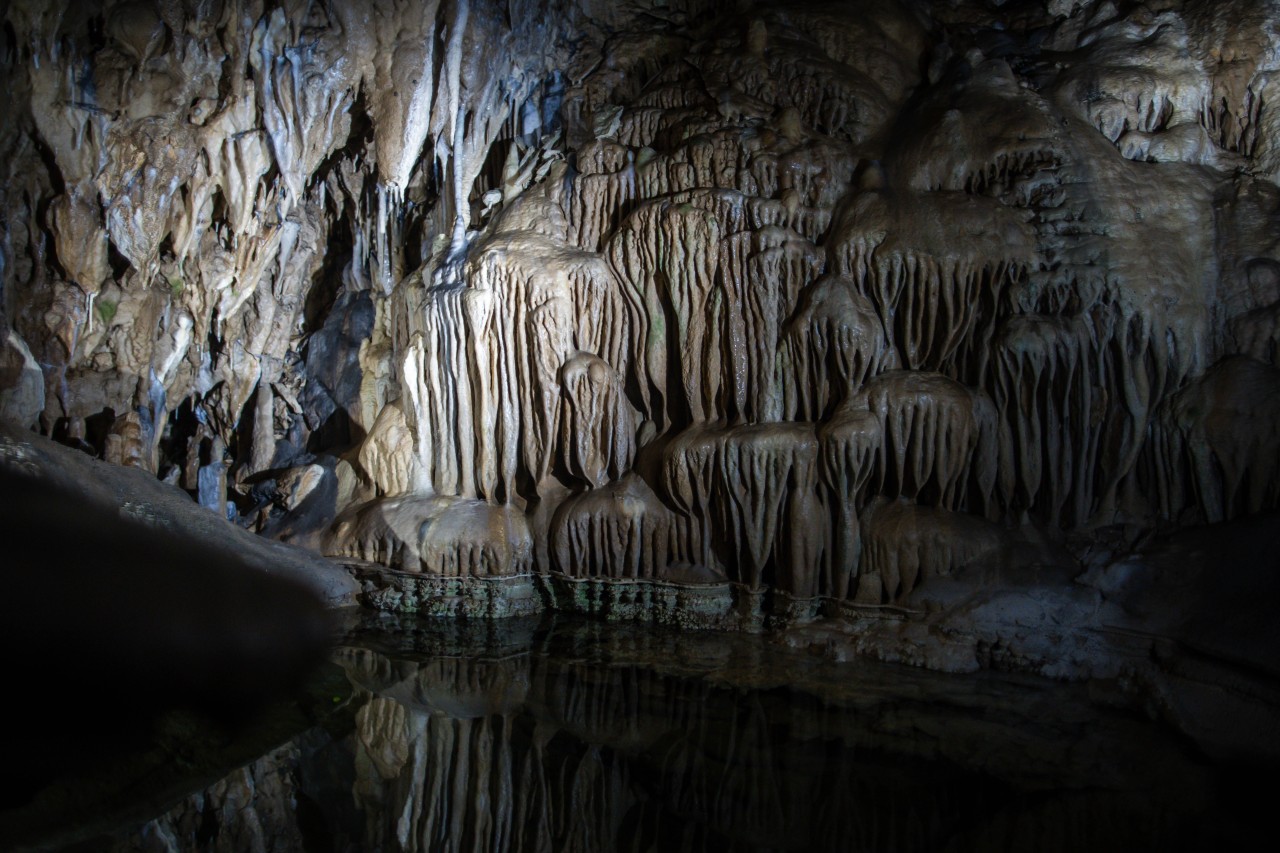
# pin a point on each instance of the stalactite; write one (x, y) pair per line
(763, 273)
(1047, 373)
(1257, 334)
(904, 545)
(486, 375)
(850, 447)
(597, 424)
(80, 241)
(403, 88)
(305, 113)
(689, 466)
(457, 122)
(1214, 443)
(1146, 358)
(931, 307)
(618, 531)
(833, 343)
(751, 493)
(940, 439)
(666, 253)
(602, 193)
(801, 260)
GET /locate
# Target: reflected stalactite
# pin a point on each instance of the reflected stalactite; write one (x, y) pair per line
(599, 738)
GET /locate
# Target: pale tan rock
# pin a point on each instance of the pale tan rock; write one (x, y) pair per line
(388, 455)
(622, 530)
(1050, 364)
(22, 383)
(939, 438)
(81, 241)
(833, 343)
(750, 494)
(597, 423)
(383, 729)
(448, 536)
(819, 256)
(850, 446)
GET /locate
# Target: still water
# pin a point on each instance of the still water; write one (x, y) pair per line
(569, 735)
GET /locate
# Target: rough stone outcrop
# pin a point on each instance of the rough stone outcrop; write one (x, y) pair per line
(790, 296)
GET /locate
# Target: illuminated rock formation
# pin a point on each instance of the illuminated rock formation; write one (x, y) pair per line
(558, 288)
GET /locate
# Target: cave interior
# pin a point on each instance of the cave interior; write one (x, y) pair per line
(584, 365)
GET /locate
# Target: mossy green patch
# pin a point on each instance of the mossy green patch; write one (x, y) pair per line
(106, 310)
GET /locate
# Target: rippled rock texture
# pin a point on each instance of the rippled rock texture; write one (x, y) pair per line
(815, 298)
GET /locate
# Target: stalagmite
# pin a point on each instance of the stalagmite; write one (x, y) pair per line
(597, 424)
(450, 537)
(382, 459)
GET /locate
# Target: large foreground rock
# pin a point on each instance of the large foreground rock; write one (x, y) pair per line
(144, 507)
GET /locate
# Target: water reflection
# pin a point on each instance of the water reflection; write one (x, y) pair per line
(586, 737)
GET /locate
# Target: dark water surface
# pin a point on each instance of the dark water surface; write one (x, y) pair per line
(578, 736)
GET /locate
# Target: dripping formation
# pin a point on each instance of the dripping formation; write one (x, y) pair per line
(703, 312)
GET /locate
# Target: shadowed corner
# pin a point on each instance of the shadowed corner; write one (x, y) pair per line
(110, 623)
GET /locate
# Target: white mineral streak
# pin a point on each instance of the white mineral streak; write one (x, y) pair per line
(571, 290)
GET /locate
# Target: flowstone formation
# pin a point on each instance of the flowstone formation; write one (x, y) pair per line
(692, 311)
